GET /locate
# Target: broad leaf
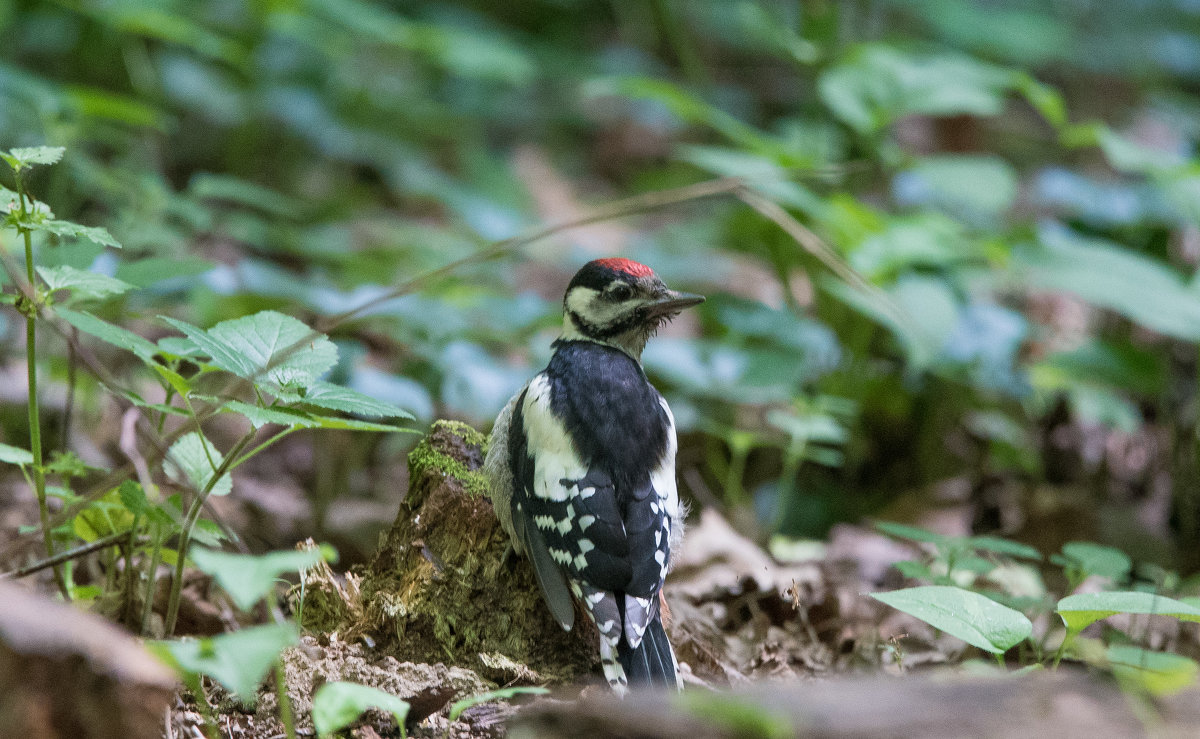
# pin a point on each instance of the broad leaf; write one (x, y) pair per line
(239, 660)
(248, 578)
(1004, 546)
(15, 455)
(260, 417)
(336, 705)
(338, 398)
(265, 346)
(1096, 559)
(115, 335)
(84, 285)
(975, 619)
(23, 157)
(190, 464)
(95, 234)
(1081, 610)
(1156, 673)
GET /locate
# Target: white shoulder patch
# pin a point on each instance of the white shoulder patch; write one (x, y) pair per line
(555, 458)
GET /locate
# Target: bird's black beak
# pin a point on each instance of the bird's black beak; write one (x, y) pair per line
(671, 303)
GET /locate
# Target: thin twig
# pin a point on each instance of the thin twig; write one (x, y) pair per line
(67, 555)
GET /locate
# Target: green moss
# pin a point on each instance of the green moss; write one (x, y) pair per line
(424, 456)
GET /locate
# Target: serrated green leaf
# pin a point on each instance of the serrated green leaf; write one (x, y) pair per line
(109, 333)
(102, 517)
(95, 234)
(190, 464)
(974, 618)
(239, 660)
(1083, 609)
(208, 533)
(248, 578)
(133, 498)
(338, 398)
(22, 157)
(336, 705)
(84, 285)
(353, 424)
(260, 417)
(458, 707)
(222, 355)
(255, 345)
(177, 381)
(68, 464)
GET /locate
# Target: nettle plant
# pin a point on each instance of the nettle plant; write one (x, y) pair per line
(266, 367)
(988, 591)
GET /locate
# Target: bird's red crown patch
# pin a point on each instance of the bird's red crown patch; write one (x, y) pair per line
(627, 266)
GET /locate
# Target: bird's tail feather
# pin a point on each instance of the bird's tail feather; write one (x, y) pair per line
(652, 662)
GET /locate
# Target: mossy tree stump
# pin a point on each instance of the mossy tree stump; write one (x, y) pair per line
(445, 587)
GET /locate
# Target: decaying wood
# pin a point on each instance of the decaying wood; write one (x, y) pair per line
(444, 586)
(66, 673)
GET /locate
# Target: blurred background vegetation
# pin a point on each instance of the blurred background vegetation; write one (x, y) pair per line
(1007, 342)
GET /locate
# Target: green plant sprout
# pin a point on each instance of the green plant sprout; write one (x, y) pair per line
(978, 614)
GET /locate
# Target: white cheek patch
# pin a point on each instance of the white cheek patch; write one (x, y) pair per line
(587, 303)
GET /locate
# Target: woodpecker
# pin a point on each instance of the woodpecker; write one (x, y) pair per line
(582, 469)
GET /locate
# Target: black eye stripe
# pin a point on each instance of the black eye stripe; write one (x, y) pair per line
(620, 291)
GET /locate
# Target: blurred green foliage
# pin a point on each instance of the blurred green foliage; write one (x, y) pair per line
(1014, 183)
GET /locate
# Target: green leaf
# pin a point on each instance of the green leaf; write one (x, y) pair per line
(95, 234)
(260, 417)
(152, 270)
(338, 398)
(21, 158)
(84, 285)
(244, 192)
(458, 707)
(969, 184)
(15, 455)
(1096, 559)
(239, 660)
(1110, 276)
(1157, 673)
(248, 578)
(1004, 546)
(112, 334)
(336, 705)
(974, 618)
(353, 424)
(247, 346)
(191, 465)
(904, 531)
(133, 498)
(877, 84)
(1084, 609)
(913, 569)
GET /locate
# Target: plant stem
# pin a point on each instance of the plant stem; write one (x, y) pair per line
(35, 429)
(285, 702)
(151, 577)
(185, 533)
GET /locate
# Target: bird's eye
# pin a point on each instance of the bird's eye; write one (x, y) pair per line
(620, 291)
